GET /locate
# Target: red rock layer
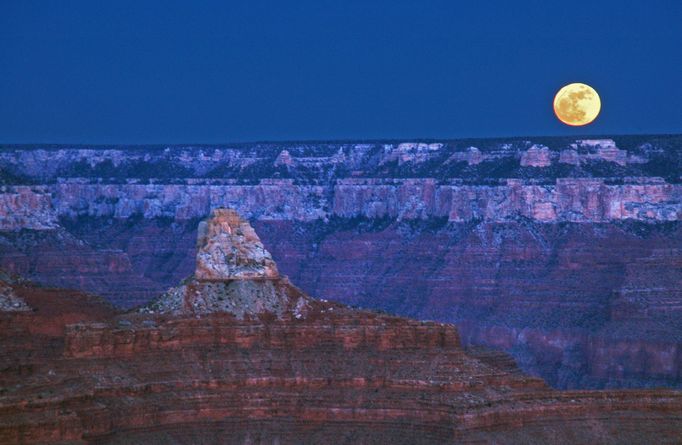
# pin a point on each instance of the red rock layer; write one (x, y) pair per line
(338, 376)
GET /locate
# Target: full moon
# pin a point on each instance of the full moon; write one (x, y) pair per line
(577, 104)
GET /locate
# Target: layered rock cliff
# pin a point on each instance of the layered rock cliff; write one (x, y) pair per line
(579, 181)
(327, 375)
(529, 245)
(234, 273)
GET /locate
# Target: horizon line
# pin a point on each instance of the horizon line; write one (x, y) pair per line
(339, 141)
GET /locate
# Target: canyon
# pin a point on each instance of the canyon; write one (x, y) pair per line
(563, 252)
(278, 367)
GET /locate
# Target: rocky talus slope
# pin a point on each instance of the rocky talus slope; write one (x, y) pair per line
(563, 252)
(289, 370)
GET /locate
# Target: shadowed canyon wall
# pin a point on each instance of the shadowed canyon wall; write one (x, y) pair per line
(565, 253)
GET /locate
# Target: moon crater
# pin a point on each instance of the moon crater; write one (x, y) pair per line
(577, 104)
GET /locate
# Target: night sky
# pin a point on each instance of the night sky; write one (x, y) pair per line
(210, 72)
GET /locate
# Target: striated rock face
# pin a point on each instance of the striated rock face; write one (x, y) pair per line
(563, 252)
(570, 200)
(556, 181)
(75, 371)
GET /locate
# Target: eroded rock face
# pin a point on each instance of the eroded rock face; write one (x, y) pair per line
(234, 273)
(229, 249)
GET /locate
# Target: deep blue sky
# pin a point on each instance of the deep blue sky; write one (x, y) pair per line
(179, 72)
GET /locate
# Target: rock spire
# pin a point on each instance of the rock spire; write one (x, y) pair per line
(229, 249)
(234, 273)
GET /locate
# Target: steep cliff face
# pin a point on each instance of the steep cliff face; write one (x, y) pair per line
(320, 374)
(566, 200)
(586, 180)
(563, 252)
